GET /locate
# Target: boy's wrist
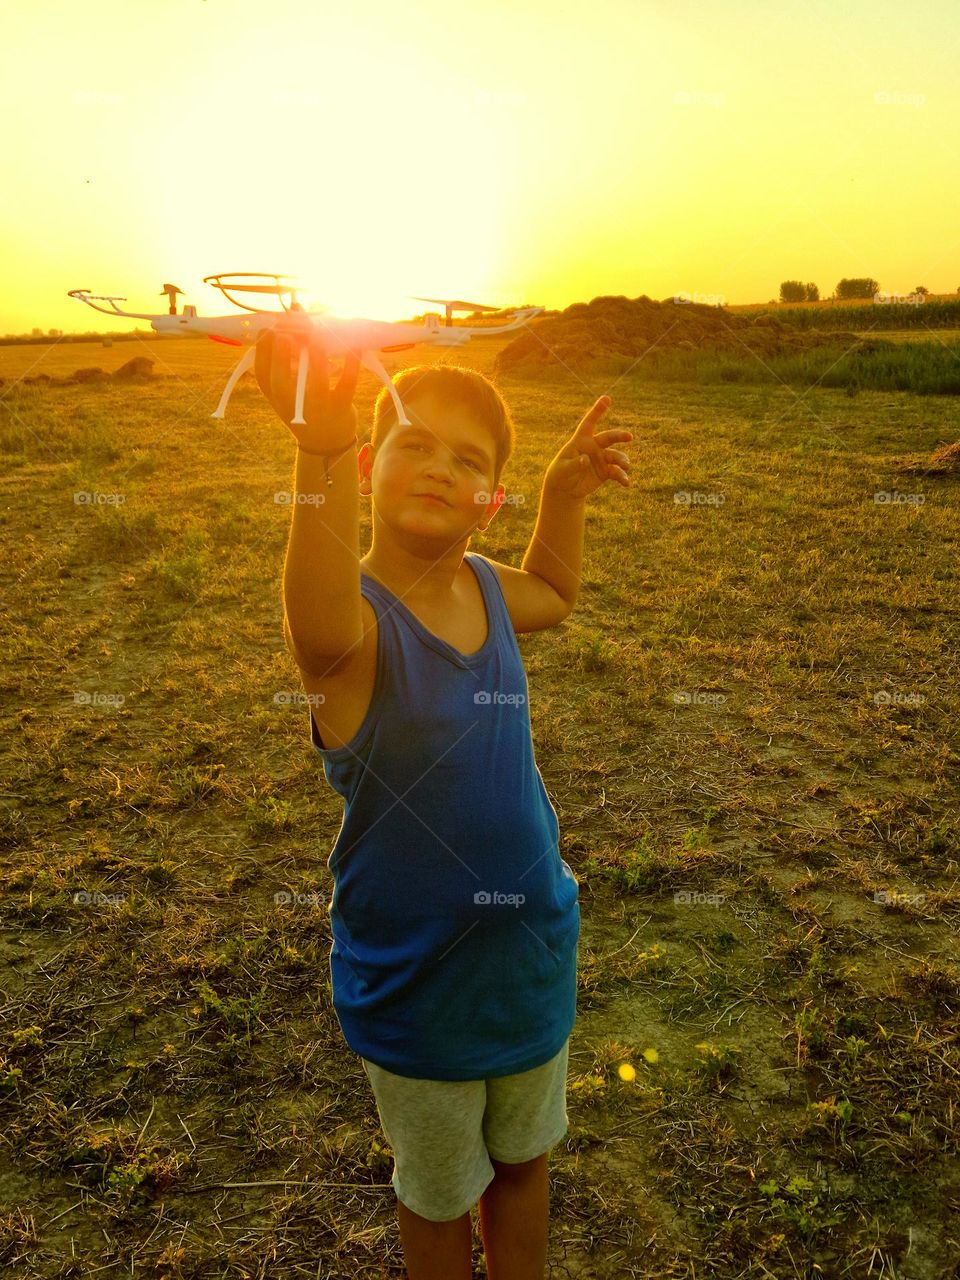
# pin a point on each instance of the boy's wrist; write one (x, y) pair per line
(326, 453)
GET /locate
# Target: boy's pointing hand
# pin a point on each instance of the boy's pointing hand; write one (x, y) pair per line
(588, 458)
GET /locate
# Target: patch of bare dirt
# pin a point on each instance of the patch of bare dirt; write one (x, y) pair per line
(587, 333)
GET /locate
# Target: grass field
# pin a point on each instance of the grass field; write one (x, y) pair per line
(749, 730)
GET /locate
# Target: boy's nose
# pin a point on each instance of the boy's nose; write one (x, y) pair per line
(440, 468)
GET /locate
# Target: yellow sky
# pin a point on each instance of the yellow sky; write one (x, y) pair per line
(506, 151)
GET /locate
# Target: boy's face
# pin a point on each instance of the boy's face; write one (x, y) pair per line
(444, 452)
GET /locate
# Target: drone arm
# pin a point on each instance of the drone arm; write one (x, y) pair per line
(521, 318)
(298, 419)
(245, 363)
(92, 299)
(369, 361)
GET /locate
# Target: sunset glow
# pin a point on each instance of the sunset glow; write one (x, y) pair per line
(506, 153)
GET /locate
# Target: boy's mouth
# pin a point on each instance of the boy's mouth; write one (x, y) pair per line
(432, 497)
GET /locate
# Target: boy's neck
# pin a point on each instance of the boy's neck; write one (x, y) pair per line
(415, 573)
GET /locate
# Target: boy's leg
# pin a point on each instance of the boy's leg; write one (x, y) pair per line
(435, 1250)
(514, 1220)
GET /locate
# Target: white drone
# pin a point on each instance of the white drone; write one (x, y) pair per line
(362, 338)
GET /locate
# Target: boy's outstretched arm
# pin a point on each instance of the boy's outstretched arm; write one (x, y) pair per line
(555, 553)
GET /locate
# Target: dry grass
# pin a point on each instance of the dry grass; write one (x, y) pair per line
(756, 702)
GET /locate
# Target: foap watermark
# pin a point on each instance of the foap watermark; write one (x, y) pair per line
(97, 98)
(910, 299)
(886, 698)
(701, 299)
(499, 98)
(686, 498)
(96, 899)
(893, 898)
(87, 497)
(484, 898)
(897, 98)
(284, 898)
(300, 98)
(893, 497)
(296, 698)
(285, 499)
(692, 898)
(697, 98)
(699, 698)
(483, 499)
(493, 697)
(82, 699)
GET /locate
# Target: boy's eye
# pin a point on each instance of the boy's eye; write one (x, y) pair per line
(471, 463)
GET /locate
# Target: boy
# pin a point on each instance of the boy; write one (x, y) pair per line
(454, 919)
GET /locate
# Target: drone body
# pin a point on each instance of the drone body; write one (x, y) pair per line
(363, 338)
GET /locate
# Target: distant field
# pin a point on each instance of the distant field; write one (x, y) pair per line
(756, 704)
(942, 311)
(948, 337)
(833, 304)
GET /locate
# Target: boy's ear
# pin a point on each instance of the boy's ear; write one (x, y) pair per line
(365, 466)
(491, 509)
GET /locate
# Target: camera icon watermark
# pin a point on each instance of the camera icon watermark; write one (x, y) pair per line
(895, 98)
(296, 698)
(690, 897)
(698, 699)
(884, 698)
(499, 98)
(483, 898)
(87, 497)
(695, 98)
(96, 899)
(493, 697)
(483, 499)
(82, 699)
(885, 497)
(701, 299)
(910, 299)
(285, 499)
(284, 898)
(97, 98)
(685, 498)
(892, 898)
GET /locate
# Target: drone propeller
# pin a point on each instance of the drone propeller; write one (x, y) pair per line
(456, 305)
(171, 291)
(238, 282)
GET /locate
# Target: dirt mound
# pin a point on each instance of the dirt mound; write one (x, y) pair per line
(133, 371)
(138, 367)
(945, 461)
(588, 333)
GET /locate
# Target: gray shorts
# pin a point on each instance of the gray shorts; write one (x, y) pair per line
(444, 1132)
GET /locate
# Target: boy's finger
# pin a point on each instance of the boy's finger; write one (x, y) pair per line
(263, 360)
(281, 380)
(594, 413)
(347, 386)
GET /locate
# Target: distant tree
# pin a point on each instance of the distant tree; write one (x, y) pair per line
(54, 333)
(921, 288)
(813, 293)
(857, 287)
(36, 333)
(792, 291)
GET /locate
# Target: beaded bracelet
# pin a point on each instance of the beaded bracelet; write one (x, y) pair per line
(332, 453)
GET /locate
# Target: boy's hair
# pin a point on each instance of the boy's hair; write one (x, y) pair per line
(454, 384)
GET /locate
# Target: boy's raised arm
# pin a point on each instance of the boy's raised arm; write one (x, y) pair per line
(321, 575)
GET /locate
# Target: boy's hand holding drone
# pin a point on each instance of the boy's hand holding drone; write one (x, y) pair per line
(330, 417)
(588, 459)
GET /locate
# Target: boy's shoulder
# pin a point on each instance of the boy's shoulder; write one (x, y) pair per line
(532, 603)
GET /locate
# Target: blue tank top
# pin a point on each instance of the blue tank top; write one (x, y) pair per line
(454, 919)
